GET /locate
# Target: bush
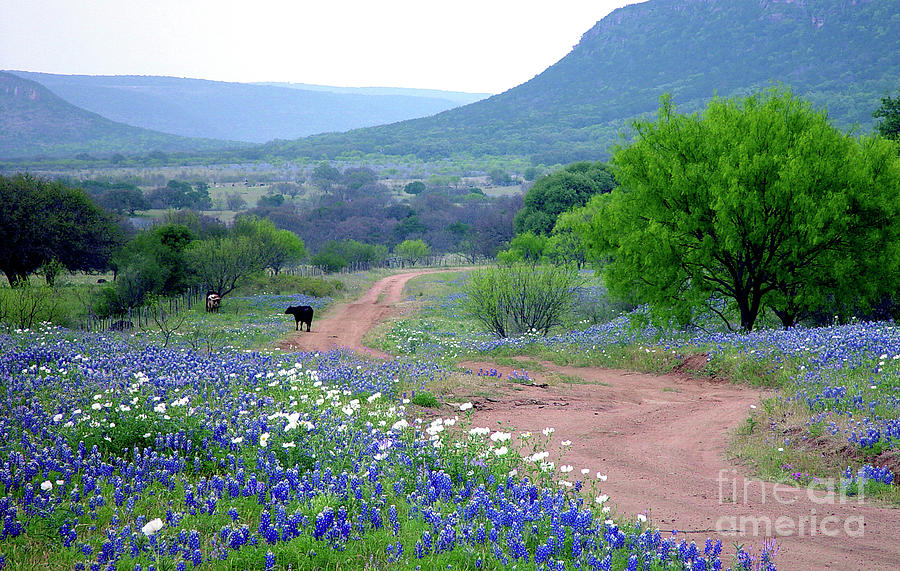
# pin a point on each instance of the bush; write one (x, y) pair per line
(284, 284)
(27, 305)
(517, 299)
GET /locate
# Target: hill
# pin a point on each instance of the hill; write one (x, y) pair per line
(839, 54)
(240, 111)
(34, 121)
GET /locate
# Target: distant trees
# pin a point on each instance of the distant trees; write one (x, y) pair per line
(117, 197)
(414, 187)
(234, 201)
(180, 194)
(559, 192)
(336, 255)
(42, 221)
(757, 202)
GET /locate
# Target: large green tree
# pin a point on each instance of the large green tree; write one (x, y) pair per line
(42, 221)
(278, 248)
(559, 192)
(222, 263)
(755, 202)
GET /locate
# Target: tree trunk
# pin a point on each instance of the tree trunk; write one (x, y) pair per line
(788, 317)
(749, 311)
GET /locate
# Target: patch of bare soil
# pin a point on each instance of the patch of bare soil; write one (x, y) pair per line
(661, 441)
(348, 323)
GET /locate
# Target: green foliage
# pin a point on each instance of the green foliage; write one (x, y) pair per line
(559, 192)
(525, 247)
(221, 264)
(152, 263)
(180, 194)
(499, 177)
(517, 299)
(278, 248)
(26, 305)
(758, 202)
(532, 172)
(425, 399)
(336, 255)
(412, 251)
(889, 113)
(285, 284)
(118, 197)
(41, 221)
(414, 187)
(270, 201)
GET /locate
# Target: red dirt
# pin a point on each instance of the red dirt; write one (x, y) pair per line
(347, 324)
(661, 441)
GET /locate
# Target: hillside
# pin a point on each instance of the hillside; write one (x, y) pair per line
(839, 54)
(34, 121)
(244, 112)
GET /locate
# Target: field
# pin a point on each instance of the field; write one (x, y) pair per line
(222, 451)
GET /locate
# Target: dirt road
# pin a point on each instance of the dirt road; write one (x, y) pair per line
(660, 440)
(348, 323)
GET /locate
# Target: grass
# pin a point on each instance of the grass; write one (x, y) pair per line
(811, 427)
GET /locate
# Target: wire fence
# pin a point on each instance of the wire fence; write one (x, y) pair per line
(393, 262)
(143, 316)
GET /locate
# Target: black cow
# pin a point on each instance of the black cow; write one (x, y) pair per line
(302, 314)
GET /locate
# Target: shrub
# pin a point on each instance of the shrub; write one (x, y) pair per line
(516, 299)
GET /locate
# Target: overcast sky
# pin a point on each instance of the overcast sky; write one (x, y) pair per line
(460, 45)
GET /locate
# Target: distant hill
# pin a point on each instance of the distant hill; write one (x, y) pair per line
(34, 121)
(840, 54)
(241, 111)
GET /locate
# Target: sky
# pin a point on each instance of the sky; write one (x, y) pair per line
(479, 46)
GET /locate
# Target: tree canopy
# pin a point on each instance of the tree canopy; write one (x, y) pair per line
(757, 202)
(889, 113)
(41, 221)
(559, 192)
(278, 248)
(412, 251)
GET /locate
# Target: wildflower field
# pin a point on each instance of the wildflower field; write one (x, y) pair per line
(215, 453)
(836, 410)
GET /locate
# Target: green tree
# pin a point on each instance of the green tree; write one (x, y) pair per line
(414, 187)
(889, 113)
(757, 202)
(42, 221)
(221, 263)
(526, 247)
(325, 176)
(278, 248)
(517, 299)
(152, 263)
(559, 192)
(412, 251)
